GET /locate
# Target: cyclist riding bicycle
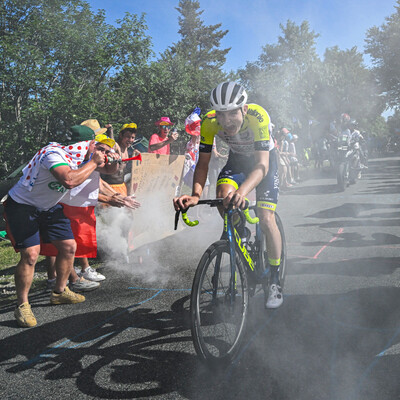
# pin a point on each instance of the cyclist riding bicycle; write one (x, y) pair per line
(252, 163)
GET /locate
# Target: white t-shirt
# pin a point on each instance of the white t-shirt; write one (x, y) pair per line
(47, 191)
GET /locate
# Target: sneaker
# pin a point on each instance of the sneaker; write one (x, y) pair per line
(83, 285)
(275, 297)
(24, 316)
(66, 297)
(91, 274)
(51, 284)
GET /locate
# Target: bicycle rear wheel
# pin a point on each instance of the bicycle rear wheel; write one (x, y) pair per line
(218, 320)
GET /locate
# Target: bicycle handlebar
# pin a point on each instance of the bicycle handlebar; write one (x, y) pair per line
(213, 203)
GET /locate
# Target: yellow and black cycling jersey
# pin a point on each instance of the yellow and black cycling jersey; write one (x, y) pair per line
(253, 135)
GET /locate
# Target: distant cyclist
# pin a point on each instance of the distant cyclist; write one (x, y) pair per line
(252, 163)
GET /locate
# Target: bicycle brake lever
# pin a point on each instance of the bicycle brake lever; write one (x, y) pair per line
(177, 219)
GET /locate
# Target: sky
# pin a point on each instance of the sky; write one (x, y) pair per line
(253, 24)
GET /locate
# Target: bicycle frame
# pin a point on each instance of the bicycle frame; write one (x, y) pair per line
(253, 267)
(256, 266)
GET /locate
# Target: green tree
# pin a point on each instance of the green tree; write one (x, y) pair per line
(180, 79)
(284, 77)
(346, 86)
(56, 59)
(382, 44)
(393, 124)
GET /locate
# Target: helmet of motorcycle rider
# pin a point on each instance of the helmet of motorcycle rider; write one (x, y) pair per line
(228, 96)
(345, 117)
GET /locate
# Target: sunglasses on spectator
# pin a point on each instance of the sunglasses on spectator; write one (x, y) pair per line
(165, 126)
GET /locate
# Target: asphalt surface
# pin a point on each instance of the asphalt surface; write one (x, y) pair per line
(336, 336)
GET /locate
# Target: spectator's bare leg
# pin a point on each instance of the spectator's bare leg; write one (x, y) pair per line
(84, 263)
(64, 262)
(51, 268)
(24, 272)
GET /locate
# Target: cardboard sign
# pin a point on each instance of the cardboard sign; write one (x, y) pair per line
(155, 182)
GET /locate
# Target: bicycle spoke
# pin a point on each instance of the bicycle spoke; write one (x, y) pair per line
(219, 321)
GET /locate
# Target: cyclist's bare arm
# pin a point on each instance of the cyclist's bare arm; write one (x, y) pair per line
(260, 170)
(199, 181)
(200, 174)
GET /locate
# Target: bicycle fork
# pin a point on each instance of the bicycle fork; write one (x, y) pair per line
(228, 226)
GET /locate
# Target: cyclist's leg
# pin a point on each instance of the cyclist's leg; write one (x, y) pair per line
(222, 190)
(267, 198)
(273, 238)
(229, 179)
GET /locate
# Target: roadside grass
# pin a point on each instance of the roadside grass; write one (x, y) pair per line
(8, 261)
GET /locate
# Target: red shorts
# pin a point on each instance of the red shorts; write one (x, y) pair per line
(83, 224)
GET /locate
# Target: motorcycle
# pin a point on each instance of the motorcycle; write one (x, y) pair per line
(348, 161)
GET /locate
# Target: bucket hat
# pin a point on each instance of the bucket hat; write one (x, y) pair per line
(95, 126)
(105, 140)
(128, 126)
(80, 133)
(163, 121)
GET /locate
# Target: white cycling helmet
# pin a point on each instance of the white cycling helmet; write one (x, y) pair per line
(228, 96)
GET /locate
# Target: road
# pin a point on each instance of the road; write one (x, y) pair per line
(336, 337)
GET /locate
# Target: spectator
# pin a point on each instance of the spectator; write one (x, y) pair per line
(79, 207)
(126, 137)
(160, 142)
(32, 210)
(77, 283)
(294, 162)
(284, 152)
(192, 127)
(283, 164)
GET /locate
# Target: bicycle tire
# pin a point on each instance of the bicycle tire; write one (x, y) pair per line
(217, 326)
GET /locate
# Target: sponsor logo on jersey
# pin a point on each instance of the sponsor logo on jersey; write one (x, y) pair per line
(256, 114)
(57, 187)
(263, 204)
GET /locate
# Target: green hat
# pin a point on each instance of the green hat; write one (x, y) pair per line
(81, 133)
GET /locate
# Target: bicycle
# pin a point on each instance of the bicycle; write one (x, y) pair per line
(227, 275)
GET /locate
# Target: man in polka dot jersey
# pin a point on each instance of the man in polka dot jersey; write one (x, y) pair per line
(32, 211)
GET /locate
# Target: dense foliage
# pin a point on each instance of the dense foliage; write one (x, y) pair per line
(61, 63)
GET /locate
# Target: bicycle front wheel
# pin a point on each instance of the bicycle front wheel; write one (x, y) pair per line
(218, 318)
